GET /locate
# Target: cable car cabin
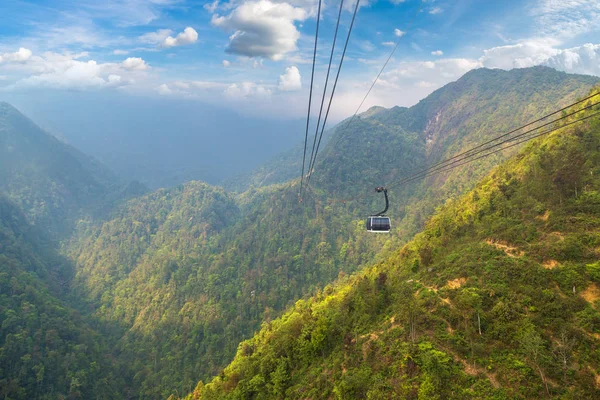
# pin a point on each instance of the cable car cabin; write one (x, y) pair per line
(378, 224)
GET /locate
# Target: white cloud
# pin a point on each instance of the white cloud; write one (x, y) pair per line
(157, 37)
(163, 38)
(226, 63)
(120, 52)
(135, 64)
(212, 7)
(262, 28)
(164, 89)
(188, 36)
(398, 32)
(582, 59)
(437, 53)
(390, 44)
(435, 11)
(566, 19)
(21, 55)
(403, 85)
(397, 1)
(247, 90)
(290, 80)
(72, 71)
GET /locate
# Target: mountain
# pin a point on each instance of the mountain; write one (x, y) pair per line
(497, 298)
(480, 105)
(53, 183)
(48, 349)
(195, 269)
(162, 142)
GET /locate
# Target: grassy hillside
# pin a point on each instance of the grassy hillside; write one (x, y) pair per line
(497, 298)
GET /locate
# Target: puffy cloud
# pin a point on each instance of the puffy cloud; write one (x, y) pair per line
(226, 63)
(390, 44)
(404, 85)
(188, 36)
(135, 64)
(398, 32)
(118, 52)
(519, 55)
(163, 38)
(290, 80)
(164, 89)
(72, 71)
(21, 55)
(435, 11)
(157, 37)
(437, 53)
(582, 59)
(262, 28)
(246, 90)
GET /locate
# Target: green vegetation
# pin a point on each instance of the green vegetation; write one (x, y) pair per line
(171, 282)
(53, 183)
(47, 349)
(198, 289)
(497, 298)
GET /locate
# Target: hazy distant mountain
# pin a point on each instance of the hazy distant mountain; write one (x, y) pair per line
(163, 143)
(51, 181)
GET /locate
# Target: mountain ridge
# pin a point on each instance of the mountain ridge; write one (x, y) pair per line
(278, 250)
(54, 183)
(495, 299)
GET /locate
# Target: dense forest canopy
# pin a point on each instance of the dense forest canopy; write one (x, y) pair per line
(497, 298)
(125, 293)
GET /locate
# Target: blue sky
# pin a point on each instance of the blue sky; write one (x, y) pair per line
(254, 56)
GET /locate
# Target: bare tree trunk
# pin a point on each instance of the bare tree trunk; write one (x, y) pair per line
(543, 380)
(479, 323)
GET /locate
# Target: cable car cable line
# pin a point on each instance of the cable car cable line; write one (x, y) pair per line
(527, 139)
(380, 71)
(379, 223)
(515, 130)
(337, 25)
(333, 91)
(312, 76)
(467, 155)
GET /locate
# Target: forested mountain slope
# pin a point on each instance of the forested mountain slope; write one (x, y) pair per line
(47, 349)
(482, 104)
(52, 182)
(184, 274)
(193, 270)
(497, 298)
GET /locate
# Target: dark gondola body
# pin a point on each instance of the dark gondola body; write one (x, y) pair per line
(379, 223)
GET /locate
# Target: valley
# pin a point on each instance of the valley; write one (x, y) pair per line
(259, 295)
